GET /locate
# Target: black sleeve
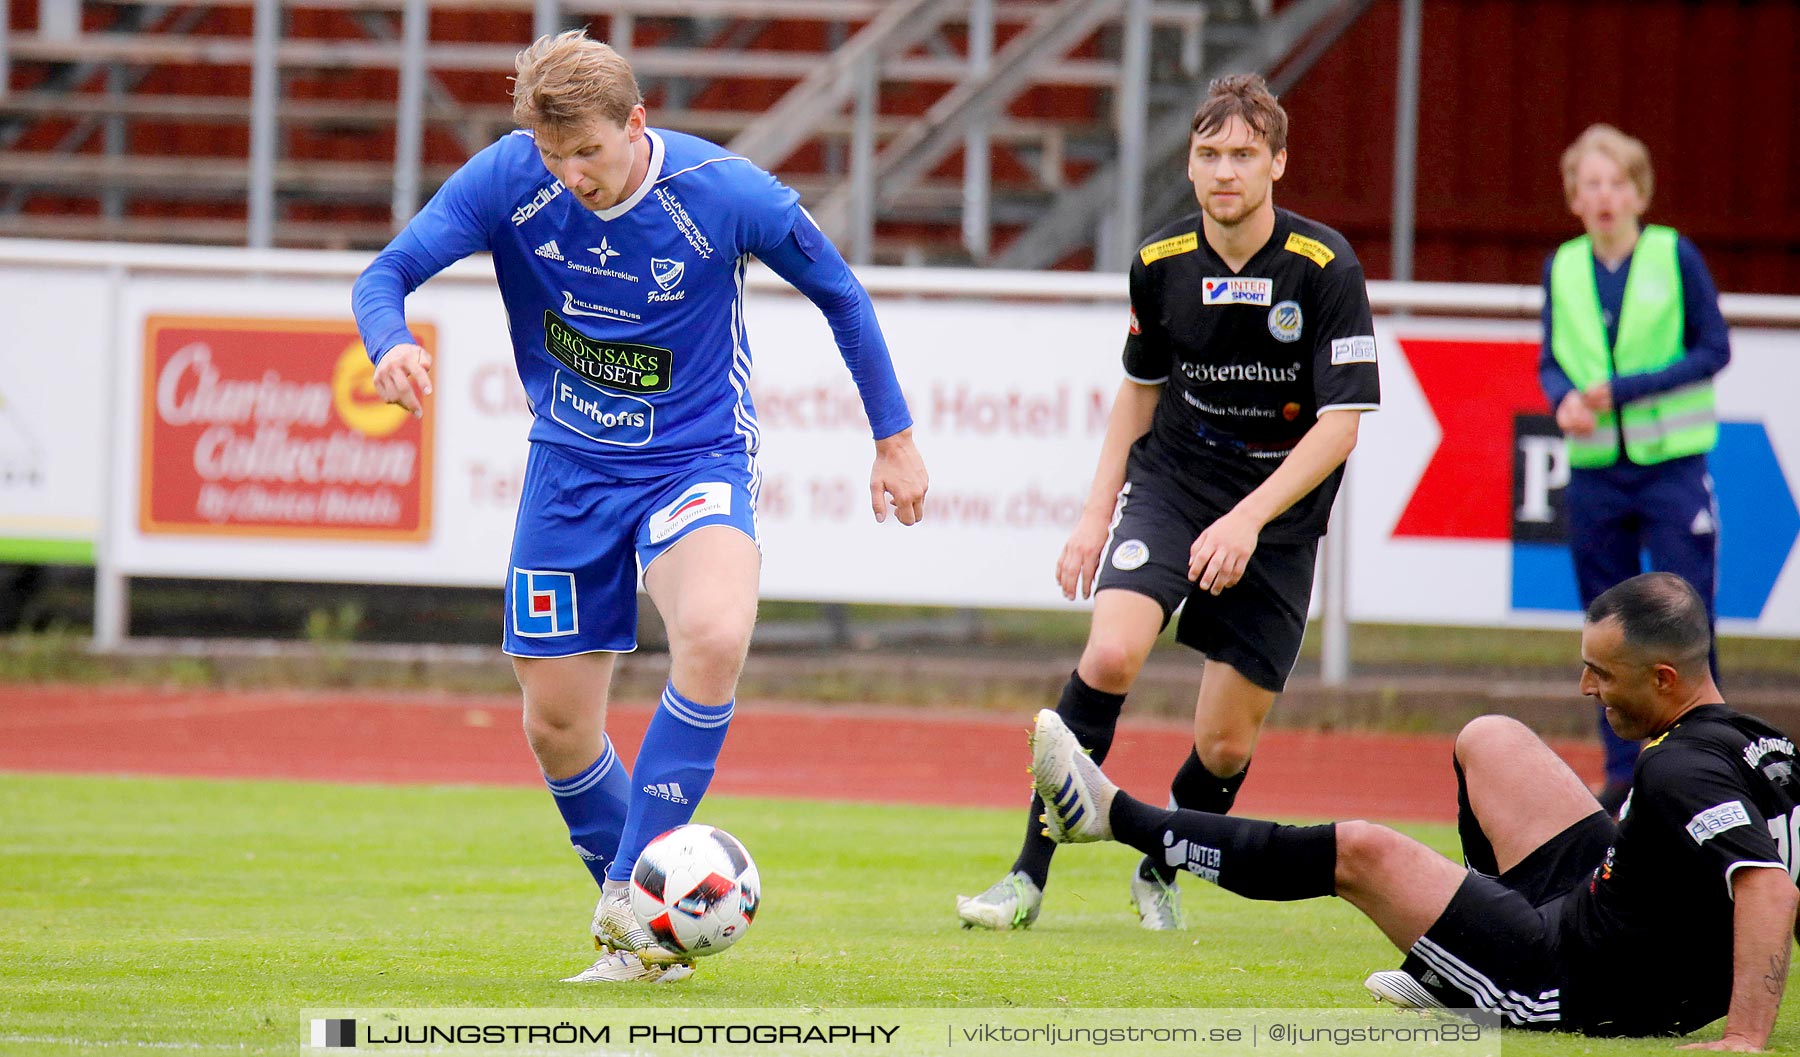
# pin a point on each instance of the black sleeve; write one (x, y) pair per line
(1147, 354)
(1700, 799)
(1345, 374)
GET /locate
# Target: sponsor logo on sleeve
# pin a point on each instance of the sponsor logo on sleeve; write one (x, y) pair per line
(1359, 349)
(621, 365)
(543, 603)
(1285, 321)
(1312, 249)
(1232, 291)
(697, 501)
(1716, 820)
(1134, 323)
(1176, 246)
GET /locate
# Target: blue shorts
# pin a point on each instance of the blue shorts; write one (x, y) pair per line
(582, 537)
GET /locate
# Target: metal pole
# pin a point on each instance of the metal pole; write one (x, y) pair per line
(546, 18)
(862, 165)
(1406, 140)
(622, 28)
(112, 598)
(112, 138)
(1132, 100)
(409, 128)
(5, 48)
(265, 74)
(977, 162)
(1334, 596)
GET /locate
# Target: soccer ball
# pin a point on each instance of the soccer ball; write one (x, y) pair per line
(695, 890)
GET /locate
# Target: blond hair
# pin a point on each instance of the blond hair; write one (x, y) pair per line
(1628, 152)
(1246, 96)
(567, 81)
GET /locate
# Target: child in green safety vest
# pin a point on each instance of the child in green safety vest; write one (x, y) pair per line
(1633, 336)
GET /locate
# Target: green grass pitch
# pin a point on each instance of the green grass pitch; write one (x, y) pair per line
(202, 916)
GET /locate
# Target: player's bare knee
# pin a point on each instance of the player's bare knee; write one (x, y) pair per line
(716, 643)
(1363, 848)
(1224, 755)
(1489, 734)
(1110, 666)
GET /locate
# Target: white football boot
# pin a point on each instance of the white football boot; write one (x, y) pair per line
(1158, 905)
(1077, 796)
(1010, 903)
(1398, 987)
(627, 951)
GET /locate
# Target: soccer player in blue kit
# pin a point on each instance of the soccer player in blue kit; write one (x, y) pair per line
(620, 251)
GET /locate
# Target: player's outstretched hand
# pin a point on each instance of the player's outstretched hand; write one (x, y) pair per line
(1221, 553)
(1079, 565)
(898, 482)
(404, 377)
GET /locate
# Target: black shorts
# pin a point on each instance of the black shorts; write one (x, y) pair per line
(1496, 946)
(1255, 626)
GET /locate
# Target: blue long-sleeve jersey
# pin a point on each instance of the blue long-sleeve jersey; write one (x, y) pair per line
(1704, 333)
(628, 323)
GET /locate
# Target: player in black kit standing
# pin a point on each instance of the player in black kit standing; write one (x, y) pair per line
(1249, 361)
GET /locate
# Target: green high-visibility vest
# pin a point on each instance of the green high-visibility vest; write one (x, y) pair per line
(1656, 428)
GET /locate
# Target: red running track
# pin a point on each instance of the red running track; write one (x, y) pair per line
(885, 755)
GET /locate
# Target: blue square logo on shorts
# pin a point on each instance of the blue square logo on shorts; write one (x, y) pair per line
(543, 604)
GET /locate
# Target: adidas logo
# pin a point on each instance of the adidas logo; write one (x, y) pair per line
(670, 791)
(1067, 805)
(550, 252)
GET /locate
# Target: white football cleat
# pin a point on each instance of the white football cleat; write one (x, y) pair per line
(1400, 988)
(616, 929)
(1077, 796)
(626, 967)
(1158, 905)
(1010, 903)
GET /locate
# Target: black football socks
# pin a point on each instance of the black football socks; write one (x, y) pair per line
(1255, 859)
(1196, 789)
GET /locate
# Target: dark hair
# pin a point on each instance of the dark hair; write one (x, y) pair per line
(1662, 618)
(1247, 96)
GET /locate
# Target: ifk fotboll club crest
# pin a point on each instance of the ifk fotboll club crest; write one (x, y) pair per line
(667, 273)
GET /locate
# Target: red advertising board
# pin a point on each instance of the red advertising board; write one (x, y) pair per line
(271, 427)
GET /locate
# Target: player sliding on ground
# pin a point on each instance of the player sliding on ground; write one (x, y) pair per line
(621, 252)
(1249, 360)
(1680, 913)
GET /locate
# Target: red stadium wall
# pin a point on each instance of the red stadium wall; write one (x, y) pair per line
(1711, 88)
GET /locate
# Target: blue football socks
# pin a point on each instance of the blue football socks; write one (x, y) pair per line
(674, 767)
(594, 804)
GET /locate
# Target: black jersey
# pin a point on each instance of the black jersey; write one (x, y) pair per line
(1649, 934)
(1250, 358)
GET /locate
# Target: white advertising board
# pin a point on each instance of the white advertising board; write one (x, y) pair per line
(1010, 397)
